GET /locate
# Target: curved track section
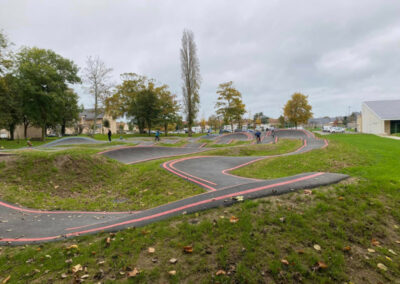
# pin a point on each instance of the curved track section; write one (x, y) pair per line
(20, 225)
(72, 141)
(228, 138)
(137, 154)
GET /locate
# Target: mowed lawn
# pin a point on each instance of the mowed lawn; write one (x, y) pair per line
(343, 233)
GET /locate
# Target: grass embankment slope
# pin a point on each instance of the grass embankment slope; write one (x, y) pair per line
(79, 179)
(283, 146)
(21, 143)
(319, 238)
(214, 143)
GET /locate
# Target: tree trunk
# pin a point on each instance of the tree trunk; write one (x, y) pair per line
(26, 124)
(11, 129)
(95, 109)
(43, 131)
(63, 126)
(166, 128)
(189, 113)
(149, 127)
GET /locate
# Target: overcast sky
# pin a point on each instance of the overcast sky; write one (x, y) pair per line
(339, 53)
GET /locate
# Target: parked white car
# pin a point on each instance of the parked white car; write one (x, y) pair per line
(337, 130)
(326, 129)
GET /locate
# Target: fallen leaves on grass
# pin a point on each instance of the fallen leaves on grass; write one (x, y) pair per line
(370, 250)
(317, 247)
(307, 192)
(382, 266)
(173, 260)
(72, 247)
(322, 265)
(392, 251)
(341, 198)
(375, 242)
(172, 272)
(220, 272)
(77, 268)
(151, 250)
(284, 261)
(239, 198)
(398, 242)
(188, 249)
(347, 248)
(233, 219)
(133, 273)
(6, 279)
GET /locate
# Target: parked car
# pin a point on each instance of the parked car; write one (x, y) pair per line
(3, 136)
(337, 130)
(326, 129)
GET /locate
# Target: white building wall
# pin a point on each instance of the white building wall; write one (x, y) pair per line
(371, 123)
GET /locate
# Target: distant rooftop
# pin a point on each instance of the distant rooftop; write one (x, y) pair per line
(89, 113)
(385, 110)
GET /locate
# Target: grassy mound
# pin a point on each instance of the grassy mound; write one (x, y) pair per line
(283, 146)
(81, 180)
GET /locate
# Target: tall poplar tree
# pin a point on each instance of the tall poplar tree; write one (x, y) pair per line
(190, 68)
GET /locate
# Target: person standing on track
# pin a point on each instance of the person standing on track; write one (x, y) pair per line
(158, 135)
(109, 135)
(258, 136)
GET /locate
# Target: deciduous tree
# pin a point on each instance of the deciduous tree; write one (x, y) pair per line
(260, 118)
(97, 77)
(147, 104)
(10, 104)
(44, 77)
(229, 103)
(297, 110)
(69, 109)
(169, 107)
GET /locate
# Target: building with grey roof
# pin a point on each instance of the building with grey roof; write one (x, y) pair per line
(380, 117)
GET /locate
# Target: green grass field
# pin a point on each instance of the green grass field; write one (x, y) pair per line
(283, 146)
(21, 143)
(337, 234)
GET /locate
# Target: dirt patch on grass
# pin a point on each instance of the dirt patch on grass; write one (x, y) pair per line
(7, 158)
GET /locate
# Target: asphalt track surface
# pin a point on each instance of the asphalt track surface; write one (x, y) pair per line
(229, 138)
(21, 225)
(137, 154)
(72, 141)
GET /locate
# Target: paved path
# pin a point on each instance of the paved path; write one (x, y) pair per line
(229, 138)
(71, 141)
(20, 225)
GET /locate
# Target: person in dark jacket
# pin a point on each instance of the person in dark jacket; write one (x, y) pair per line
(258, 136)
(109, 135)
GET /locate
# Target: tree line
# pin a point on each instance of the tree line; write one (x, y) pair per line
(36, 90)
